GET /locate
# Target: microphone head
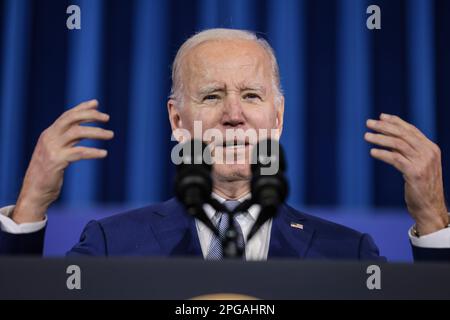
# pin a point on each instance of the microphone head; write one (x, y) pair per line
(268, 158)
(193, 184)
(269, 186)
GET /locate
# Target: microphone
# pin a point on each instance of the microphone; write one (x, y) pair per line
(193, 183)
(269, 186)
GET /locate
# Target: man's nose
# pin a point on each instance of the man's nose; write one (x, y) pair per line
(233, 115)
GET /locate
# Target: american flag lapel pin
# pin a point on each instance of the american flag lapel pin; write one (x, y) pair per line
(296, 225)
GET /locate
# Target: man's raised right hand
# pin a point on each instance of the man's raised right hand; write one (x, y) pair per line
(54, 151)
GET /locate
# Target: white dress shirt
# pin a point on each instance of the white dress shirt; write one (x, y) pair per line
(256, 249)
(10, 226)
(258, 246)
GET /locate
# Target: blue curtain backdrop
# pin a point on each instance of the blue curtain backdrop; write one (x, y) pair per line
(335, 72)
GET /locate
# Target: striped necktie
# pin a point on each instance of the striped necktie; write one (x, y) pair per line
(215, 251)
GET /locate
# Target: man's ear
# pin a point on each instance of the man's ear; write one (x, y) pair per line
(280, 115)
(174, 115)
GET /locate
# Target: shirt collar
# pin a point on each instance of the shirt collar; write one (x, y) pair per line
(210, 211)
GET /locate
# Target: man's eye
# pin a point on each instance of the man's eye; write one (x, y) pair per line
(211, 97)
(251, 96)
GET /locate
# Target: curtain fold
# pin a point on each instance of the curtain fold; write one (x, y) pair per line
(334, 71)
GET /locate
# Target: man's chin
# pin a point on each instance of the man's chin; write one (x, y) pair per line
(232, 172)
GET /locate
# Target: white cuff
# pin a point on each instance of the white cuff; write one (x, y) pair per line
(9, 226)
(437, 240)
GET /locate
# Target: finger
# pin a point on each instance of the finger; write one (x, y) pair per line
(90, 104)
(394, 130)
(396, 120)
(87, 105)
(82, 116)
(84, 153)
(77, 133)
(392, 143)
(391, 157)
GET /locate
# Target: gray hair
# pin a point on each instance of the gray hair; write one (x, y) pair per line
(221, 34)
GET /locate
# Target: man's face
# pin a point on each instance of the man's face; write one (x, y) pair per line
(228, 85)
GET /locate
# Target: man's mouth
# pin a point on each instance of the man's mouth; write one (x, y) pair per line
(235, 144)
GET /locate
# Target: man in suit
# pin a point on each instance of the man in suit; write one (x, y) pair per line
(226, 79)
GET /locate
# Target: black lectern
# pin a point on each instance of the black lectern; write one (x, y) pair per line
(150, 278)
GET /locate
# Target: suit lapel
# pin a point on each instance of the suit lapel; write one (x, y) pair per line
(176, 231)
(290, 235)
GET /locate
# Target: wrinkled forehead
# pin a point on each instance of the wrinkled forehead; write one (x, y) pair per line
(232, 62)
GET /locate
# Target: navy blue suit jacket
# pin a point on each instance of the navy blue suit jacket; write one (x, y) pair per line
(164, 229)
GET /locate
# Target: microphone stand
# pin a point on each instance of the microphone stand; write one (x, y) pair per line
(193, 188)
